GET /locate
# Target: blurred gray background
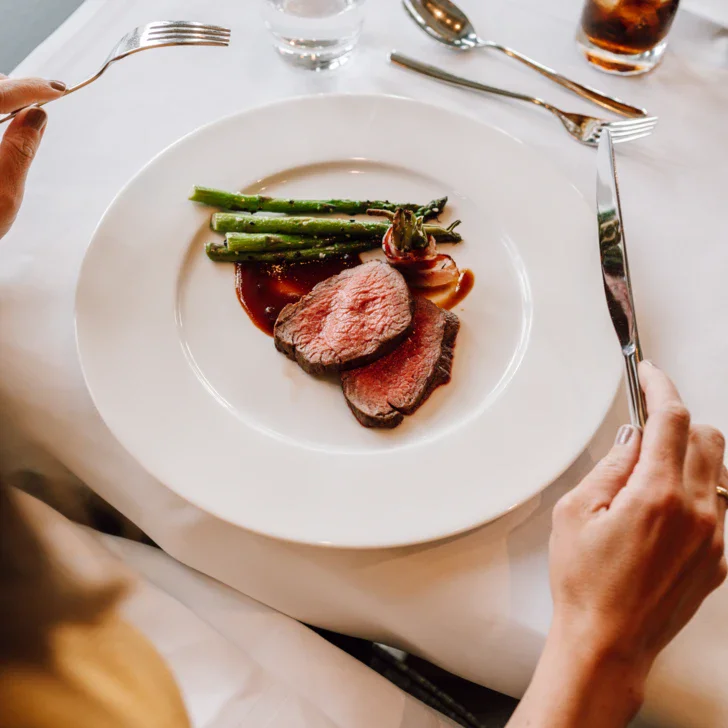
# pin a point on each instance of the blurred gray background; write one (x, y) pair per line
(26, 23)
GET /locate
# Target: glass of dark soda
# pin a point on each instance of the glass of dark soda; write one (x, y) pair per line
(626, 36)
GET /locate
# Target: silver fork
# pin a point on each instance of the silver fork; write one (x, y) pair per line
(585, 129)
(155, 35)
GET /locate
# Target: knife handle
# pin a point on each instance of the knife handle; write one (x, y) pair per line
(637, 406)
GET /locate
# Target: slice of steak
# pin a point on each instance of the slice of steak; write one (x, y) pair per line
(348, 320)
(382, 393)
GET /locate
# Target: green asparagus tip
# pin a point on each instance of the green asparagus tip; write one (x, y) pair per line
(432, 209)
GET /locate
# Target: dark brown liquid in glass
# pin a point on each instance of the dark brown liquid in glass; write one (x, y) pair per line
(628, 26)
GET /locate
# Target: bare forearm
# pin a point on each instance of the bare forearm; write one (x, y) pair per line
(576, 686)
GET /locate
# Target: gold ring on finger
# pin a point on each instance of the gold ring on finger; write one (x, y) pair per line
(723, 492)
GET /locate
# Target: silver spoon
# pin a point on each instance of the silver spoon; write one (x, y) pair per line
(444, 21)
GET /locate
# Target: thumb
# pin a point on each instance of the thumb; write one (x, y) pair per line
(612, 472)
(17, 150)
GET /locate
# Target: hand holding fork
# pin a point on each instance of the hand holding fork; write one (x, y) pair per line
(155, 35)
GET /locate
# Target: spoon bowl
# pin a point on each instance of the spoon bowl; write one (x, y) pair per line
(444, 21)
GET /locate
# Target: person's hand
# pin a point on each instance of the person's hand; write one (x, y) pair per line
(21, 139)
(638, 545)
(635, 549)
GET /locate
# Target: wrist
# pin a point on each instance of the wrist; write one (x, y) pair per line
(594, 670)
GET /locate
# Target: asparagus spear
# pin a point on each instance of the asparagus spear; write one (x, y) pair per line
(262, 243)
(261, 203)
(318, 227)
(220, 253)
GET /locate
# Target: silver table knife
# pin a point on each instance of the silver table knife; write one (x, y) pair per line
(615, 272)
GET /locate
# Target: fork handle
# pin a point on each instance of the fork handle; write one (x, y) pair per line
(607, 102)
(11, 116)
(433, 72)
(68, 92)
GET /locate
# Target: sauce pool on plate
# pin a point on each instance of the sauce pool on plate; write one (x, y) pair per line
(465, 284)
(449, 296)
(264, 289)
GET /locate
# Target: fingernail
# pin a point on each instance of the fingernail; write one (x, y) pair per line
(649, 363)
(58, 85)
(624, 434)
(36, 118)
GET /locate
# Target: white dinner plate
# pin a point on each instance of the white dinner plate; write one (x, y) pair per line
(201, 398)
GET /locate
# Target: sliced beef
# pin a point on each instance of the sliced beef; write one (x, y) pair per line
(381, 393)
(348, 320)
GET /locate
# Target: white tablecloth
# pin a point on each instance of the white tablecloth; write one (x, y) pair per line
(479, 604)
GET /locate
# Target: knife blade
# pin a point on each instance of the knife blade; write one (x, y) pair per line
(615, 273)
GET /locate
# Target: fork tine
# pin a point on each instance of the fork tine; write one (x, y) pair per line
(162, 32)
(618, 128)
(185, 42)
(633, 122)
(632, 137)
(166, 24)
(186, 31)
(188, 36)
(622, 134)
(629, 132)
(628, 129)
(180, 35)
(633, 127)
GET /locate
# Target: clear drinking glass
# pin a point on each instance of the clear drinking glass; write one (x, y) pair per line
(626, 36)
(315, 34)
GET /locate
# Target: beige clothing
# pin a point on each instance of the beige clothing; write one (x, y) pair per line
(98, 675)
